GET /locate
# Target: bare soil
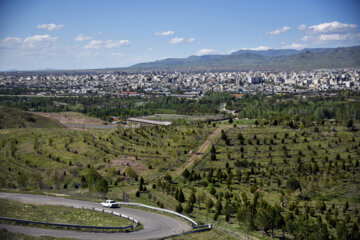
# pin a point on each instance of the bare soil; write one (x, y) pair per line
(131, 161)
(73, 118)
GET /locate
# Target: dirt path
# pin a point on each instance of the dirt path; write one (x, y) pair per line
(201, 149)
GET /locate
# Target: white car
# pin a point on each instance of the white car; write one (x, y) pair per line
(109, 204)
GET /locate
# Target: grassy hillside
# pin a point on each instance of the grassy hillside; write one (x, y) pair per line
(308, 178)
(14, 118)
(260, 170)
(57, 159)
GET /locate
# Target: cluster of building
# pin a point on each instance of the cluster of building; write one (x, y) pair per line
(178, 84)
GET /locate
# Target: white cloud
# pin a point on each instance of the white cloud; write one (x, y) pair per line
(190, 40)
(302, 27)
(38, 39)
(205, 51)
(280, 30)
(330, 37)
(9, 42)
(176, 40)
(294, 46)
(114, 44)
(81, 38)
(167, 33)
(150, 49)
(50, 26)
(307, 38)
(231, 51)
(117, 54)
(260, 48)
(329, 31)
(333, 37)
(328, 27)
(94, 44)
(28, 42)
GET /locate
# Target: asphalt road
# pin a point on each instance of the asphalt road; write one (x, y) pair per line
(155, 225)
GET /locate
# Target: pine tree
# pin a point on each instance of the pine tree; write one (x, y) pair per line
(181, 197)
(192, 198)
(179, 208)
(209, 204)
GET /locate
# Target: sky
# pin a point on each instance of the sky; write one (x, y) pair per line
(84, 34)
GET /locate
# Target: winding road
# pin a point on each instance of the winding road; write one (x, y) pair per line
(155, 225)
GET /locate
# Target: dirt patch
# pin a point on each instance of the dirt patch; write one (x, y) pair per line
(131, 161)
(73, 118)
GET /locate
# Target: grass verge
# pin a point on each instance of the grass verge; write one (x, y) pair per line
(64, 215)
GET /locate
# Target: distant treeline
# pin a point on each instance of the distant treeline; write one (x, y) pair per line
(106, 106)
(340, 106)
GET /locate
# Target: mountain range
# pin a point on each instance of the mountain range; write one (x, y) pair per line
(271, 60)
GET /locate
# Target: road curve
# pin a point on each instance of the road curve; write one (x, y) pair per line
(155, 225)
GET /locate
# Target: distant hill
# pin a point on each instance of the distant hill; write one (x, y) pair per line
(14, 118)
(278, 52)
(280, 59)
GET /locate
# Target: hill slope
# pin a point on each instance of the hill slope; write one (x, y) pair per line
(14, 118)
(285, 60)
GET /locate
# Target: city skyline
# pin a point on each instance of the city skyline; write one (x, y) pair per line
(91, 34)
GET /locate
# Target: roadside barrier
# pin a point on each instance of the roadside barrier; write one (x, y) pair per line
(63, 225)
(193, 223)
(133, 226)
(188, 232)
(116, 214)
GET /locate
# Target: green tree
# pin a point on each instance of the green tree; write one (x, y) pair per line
(218, 206)
(181, 196)
(192, 198)
(293, 184)
(350, 124)
(179, 208)
(209, 204)
(341, 230)
(102, 186)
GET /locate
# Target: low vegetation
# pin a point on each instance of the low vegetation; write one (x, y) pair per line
(5, 235)
(67, 215)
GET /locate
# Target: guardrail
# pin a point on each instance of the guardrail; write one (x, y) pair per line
(134, 225)
(116, 214)
(193, 223)
(63, 225)
(188, 232)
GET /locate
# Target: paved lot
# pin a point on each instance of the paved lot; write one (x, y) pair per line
(155, 225)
